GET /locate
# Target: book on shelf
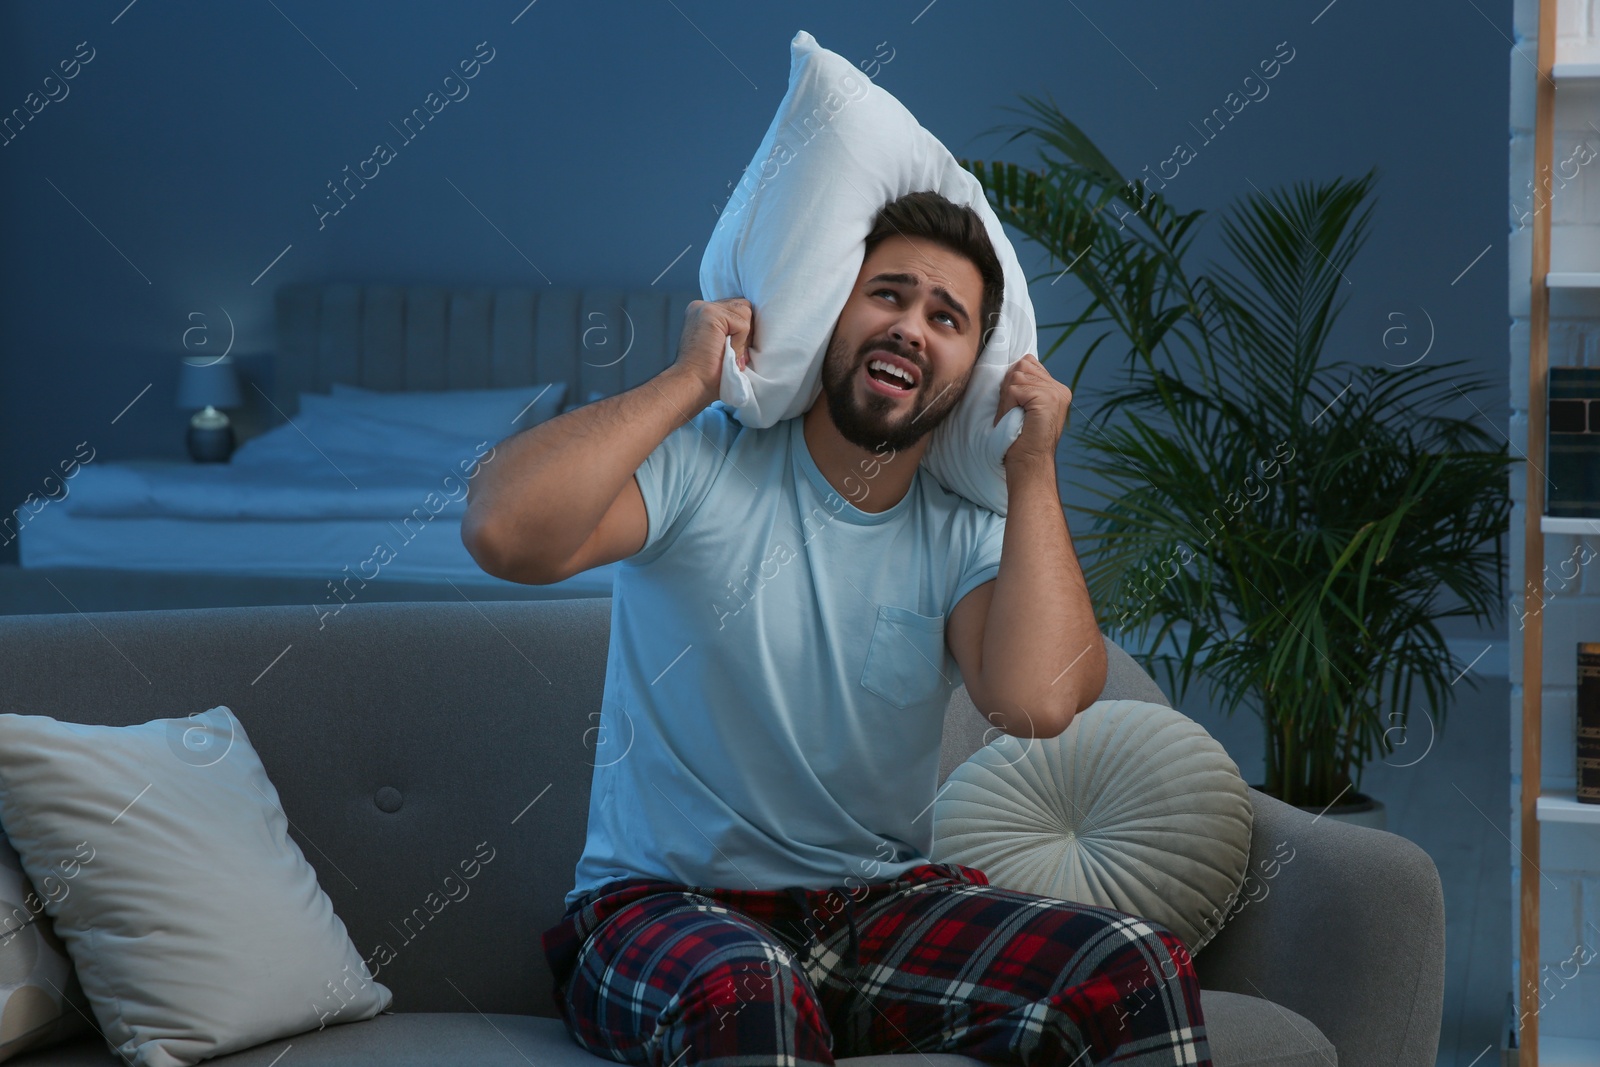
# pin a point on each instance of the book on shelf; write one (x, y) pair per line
(1588, 722)
(1572, 443)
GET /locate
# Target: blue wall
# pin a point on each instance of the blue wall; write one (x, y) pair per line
(601, 138)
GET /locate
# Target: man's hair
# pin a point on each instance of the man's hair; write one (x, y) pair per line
(955, 226)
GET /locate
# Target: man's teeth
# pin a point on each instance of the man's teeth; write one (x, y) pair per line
(878, 364)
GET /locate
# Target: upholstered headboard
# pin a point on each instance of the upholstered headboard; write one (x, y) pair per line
(425, 337)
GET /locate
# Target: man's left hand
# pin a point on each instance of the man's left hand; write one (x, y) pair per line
(1044, 402)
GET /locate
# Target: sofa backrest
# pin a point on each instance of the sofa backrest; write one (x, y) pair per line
(405, 740)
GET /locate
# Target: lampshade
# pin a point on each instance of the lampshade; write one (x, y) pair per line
(208, 380)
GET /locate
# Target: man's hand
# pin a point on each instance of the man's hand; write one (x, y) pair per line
(706, 326)
(1044, 402)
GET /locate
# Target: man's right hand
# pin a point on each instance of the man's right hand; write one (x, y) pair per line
(706, 326)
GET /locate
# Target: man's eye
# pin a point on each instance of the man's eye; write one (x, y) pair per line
(946, 314)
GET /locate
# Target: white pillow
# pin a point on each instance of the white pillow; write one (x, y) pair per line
(196, 925)
(40, 1001)
(793, 237)
(1133, 807)
(336, 426)
(492, 413)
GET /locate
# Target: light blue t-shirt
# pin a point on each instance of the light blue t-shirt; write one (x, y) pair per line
(777, 674)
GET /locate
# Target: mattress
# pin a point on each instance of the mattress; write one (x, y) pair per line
(347, 493)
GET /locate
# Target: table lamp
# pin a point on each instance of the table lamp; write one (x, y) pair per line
(209, 383)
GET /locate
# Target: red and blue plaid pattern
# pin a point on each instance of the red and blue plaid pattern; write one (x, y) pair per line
(655, 973)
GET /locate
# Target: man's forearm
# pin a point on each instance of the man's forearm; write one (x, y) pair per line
(1043, 656)
(551, 484)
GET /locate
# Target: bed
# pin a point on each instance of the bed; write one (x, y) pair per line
(343, 497)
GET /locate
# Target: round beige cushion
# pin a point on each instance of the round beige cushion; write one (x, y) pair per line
(1134, 807)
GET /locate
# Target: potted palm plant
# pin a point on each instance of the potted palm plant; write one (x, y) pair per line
(1288, 526)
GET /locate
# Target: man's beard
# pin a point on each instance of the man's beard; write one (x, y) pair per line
(871, 425)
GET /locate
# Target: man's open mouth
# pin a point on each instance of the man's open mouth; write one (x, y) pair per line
(891, 375)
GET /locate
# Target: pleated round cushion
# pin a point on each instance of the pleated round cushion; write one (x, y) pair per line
(1134, 807)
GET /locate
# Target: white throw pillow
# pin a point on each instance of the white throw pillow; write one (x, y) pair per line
(1134, 807)
(40, 1001)
(793, 237)
(492, 413)
(196, 925)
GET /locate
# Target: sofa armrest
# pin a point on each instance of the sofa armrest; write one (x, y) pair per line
(1343, 924)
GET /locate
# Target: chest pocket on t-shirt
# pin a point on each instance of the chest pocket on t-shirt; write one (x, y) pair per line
(905, 658)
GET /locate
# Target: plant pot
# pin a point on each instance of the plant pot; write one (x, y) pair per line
(1356, 808)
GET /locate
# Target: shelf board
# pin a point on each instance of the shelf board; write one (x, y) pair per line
(1568, 1051)
(1563, 524)
(1572, 279)
(1579, 71)
(1561, 805)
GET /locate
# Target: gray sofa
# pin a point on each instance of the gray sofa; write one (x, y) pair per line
(402, 735)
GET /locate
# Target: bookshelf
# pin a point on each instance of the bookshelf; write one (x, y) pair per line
(1539, 805)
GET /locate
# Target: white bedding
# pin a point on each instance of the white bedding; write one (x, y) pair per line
(338, 493)
(321, 466)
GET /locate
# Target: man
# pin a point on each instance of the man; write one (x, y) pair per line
(796, 605)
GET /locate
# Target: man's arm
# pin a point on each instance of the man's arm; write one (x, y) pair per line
(560, 497)
(1028, 644)
(1029, 647)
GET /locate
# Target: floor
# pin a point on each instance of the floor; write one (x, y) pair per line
(1450, 799)
(1447, 796)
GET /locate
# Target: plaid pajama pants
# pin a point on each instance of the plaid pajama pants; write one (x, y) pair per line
(655, 973)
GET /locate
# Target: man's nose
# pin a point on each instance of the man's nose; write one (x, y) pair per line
(907, 332)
